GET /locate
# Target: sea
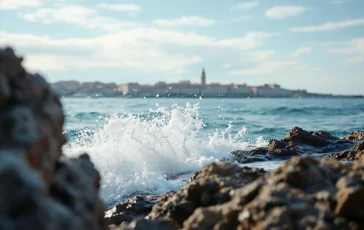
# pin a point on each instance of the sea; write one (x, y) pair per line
(153, 145)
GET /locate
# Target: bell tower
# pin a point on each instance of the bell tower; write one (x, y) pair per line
(203, 77)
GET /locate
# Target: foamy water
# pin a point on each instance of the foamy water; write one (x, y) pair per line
(138, 144)
(137, 153)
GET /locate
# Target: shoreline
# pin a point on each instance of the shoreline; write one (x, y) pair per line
(214, 191)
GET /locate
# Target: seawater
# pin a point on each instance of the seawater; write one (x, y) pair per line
(138, 145)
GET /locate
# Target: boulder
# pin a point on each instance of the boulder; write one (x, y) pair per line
(298, 142)
(355, 136)
(133, 208)
(40, 188)
(350, 155)
(212, 187)
(304, 193)
(281, 149)
(143, 224)
(252, 155)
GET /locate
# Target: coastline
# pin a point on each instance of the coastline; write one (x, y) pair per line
(43, 189)
(221, 193)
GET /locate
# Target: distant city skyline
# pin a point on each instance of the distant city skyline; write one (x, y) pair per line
(312, 45)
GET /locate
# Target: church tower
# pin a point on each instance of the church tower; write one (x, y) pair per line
(203, 77)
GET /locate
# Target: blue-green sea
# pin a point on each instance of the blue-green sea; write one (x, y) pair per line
(138, 144)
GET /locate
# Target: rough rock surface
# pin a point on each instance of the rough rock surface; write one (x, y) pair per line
(355, 136)
(143, 224)
(299, 142)
(211, 187)
(304, 193)
(136, 207)
(40, 188)
(350, 155)
(252, 155)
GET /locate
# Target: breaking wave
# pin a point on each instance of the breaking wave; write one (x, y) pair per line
(138, 153)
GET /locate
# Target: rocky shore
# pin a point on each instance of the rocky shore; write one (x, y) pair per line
(320, 184)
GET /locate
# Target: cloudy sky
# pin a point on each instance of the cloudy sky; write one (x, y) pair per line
(313, 44)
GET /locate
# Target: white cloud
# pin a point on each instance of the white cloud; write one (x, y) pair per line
(16, 4)
(77, 15)
(246, 5)
(227, 66)
(330, 26)
(123, 7)
(301, 51)
(266, 67)
(135, 48)
(280, 12)
(353, 48)
(185, 21)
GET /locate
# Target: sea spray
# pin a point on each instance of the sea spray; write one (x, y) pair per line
(137, 153)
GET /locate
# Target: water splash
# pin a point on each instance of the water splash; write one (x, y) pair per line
(137, 153)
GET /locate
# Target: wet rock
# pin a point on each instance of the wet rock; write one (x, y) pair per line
(299, 142)
(40, 188)
(213, 186)
(136, 207)
(317, 142)
(252, 155)
(350, 155)
(355, 136)
(281, 148)
(304, 193)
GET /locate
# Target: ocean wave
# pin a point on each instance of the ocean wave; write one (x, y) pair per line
(140, 153)
(299, 111)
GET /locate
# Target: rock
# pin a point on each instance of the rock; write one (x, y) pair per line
(136, 207)
(355, 136)
(24, 204)
(40, 188)
(304, 193)
(76, 185)
(32, 115)
(350, 155)
(213, 186)
(252, 155)
(350, 197)
(142, 224)
(281, 148)
(299, 142)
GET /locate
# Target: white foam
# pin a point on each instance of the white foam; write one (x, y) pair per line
(137, 153)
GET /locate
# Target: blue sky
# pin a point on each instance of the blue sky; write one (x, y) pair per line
(316, 45)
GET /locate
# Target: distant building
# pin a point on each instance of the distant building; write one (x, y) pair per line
(203, 77)
(271, 90)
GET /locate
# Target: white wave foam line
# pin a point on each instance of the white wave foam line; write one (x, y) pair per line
(137, 154)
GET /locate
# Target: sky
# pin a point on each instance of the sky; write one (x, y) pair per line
(316, 45)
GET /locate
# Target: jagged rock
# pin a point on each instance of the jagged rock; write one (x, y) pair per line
(138, 206)
(281, 148)
(40, 188)
(355, 136)
(304, 193)
(31, 113)
(317, 142)
(212, 187)
(350, 155)
(252, 155)
(298, 142)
